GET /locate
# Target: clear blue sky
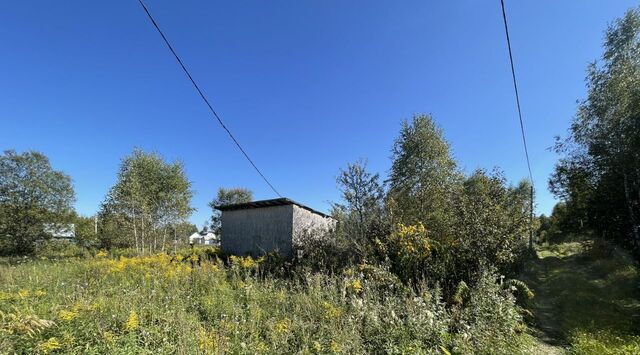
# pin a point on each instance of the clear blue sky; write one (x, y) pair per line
(306, 86)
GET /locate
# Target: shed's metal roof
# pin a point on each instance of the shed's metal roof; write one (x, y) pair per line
(266, 203)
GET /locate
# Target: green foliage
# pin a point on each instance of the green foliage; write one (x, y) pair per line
(60, 249)
(423, 176)
(162, 304)
(599, 174)
(149, 199)
(461, 223)
(227, 197)
(361, 214)
(34, 201)
(85, 232)
(604, 343)
(490, 322)
(492, 223)
(409, 249)
(586, 295)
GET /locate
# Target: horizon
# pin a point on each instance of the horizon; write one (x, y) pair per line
(304, 86)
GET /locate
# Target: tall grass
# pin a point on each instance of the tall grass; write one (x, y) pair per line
(186, 304)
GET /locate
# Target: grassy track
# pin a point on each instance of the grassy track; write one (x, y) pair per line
(587, 298)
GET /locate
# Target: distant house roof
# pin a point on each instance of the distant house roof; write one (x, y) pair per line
(60, 231)
(267, 203)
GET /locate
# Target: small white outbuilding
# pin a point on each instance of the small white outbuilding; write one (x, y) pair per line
(203, 238)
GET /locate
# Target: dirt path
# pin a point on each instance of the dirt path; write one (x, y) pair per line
(581, 288)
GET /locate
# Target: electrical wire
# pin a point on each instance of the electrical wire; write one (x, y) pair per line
(204, 98)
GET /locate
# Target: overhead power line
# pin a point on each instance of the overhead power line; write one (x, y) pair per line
(204, 98)
(515, 87)
(524, 137)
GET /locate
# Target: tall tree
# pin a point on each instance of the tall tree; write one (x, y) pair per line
(599, 175)
(34, 200)
(361, 212)
(423, 176)
(227, 197)
(151, 196)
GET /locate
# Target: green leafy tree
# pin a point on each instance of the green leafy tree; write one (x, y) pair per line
(599, 174)
(86, 235)
(227, 197)
(424, 176)
(361, 212)
(151, 196)
(492, 223)
(34, 200)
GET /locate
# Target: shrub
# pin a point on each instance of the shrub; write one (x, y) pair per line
(60, 249)
(409, 248)
(489, 320)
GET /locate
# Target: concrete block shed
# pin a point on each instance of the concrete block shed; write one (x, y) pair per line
(259, 227)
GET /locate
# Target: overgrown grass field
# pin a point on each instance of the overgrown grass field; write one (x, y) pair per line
(189, 305)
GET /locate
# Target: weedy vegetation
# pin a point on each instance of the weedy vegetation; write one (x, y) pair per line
(194, 303)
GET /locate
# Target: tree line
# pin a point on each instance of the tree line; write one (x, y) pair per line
(597, 177)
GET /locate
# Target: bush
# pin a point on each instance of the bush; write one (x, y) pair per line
(488, 319)
(60, 249)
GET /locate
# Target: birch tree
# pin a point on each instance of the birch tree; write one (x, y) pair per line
(599, 174)
(151, 197)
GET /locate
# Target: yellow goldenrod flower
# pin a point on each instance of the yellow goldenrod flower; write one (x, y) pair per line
(206, 342)
(355, 286)
(132, 322)
(283, 326)
(50, 345)
(67, 315)
(331, 311)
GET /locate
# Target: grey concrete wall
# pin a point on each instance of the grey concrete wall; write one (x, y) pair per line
(307, 224)
(257, 231)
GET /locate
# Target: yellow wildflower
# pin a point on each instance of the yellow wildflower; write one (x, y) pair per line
(133, 322)
(67, 315)
(108, 336)
(101, 254)
(50, 345)
(283, 326)
(23, 293)
(40, 293)
(331, 311)
(206, 342)
(316, 346)
(261, 347)
(355, 286)
(334, 347)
